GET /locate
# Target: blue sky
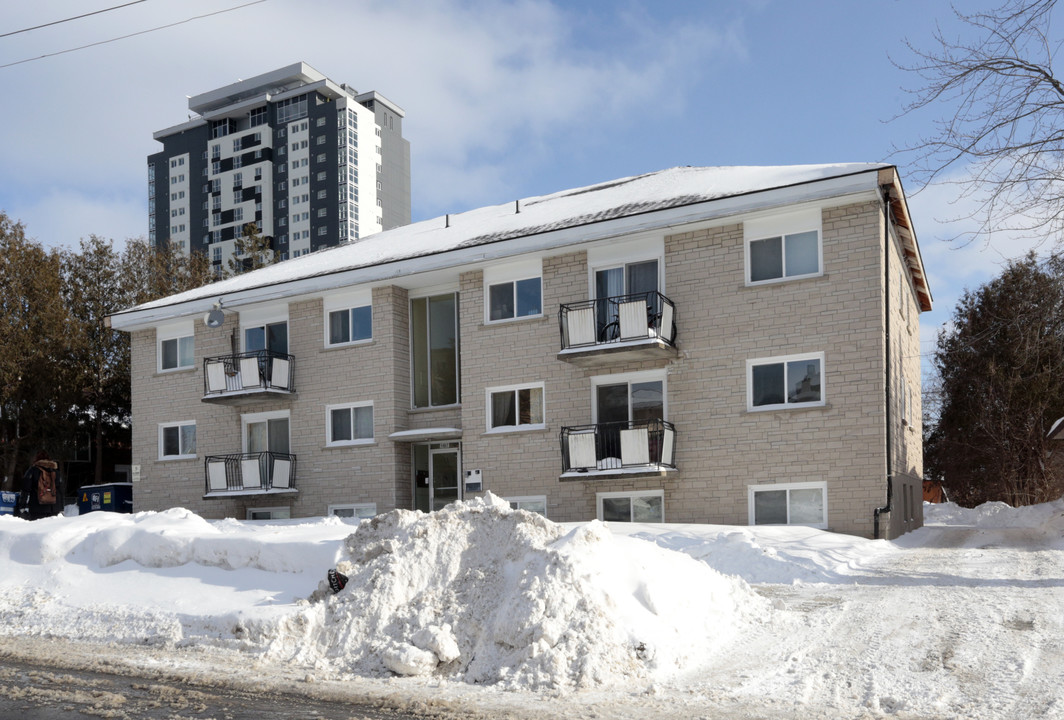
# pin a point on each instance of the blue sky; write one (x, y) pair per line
(503, 99)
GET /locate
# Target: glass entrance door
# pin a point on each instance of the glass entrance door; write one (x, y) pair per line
(444, 478)
(437, 475)
(267, 436)
(624, 280)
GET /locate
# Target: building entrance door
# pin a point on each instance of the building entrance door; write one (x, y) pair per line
(437, 475)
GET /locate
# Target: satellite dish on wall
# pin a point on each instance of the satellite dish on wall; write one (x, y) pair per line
(214, 318)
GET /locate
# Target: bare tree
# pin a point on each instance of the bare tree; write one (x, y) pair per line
(1002, 135)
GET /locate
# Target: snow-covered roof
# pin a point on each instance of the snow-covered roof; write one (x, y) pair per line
(657, 200)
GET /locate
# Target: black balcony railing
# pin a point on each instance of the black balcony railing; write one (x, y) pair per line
(262, 370)
(619, 445)
(258, 471)
(622, 318)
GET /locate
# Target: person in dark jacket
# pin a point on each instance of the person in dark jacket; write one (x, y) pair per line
(30, 506)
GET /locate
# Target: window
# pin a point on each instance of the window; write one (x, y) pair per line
(269, 513)
(175, 346)
(360, 511)
(349, 424)
(177, 441)
(531, 503)
(789, 504)
(434, 350)
(633, 506)
(515, 407)
(633, 397)
(785, 256)
(783, 247)
(517, 299)
(350, 325)
(784, 382)
(272, 337)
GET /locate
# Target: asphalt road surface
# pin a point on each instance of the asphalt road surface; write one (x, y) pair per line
(35, 692)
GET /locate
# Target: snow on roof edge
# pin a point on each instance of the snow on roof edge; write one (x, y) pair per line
(568, 209)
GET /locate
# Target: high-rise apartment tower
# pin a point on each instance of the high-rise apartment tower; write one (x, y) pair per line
(310, 162)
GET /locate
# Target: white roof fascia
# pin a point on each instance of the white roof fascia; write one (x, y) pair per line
(175, 129)
(714, 210)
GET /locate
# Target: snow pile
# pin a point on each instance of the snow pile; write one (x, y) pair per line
(483, 594)
(766, 554)
(996, 515)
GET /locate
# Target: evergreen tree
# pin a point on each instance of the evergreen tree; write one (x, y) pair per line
(251, 251)
(151, 273)
(1001, 373)
(36, 389)
(94, 287)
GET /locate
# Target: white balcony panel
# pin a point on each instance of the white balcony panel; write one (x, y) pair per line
(635, 446)
(582, 450)
(633, 319)
(667, 447)
(666, 321)
(249, 373)
(216, 475)
(249, 472)
(282, 473)
(581, 326)
(281, 373)
(216, 377)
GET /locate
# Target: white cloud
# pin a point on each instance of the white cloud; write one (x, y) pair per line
(494, 91)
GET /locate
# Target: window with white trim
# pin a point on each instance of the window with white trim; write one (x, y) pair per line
(531, 503)
(269, 513)
(175, 346)
(787, 381)
(177, 441)
(515, 407)
(632, 506)
(513, 291)
(783, 247)
(361, 511)
(515, 299)
(349, 424)
(348, 320)
(789, 504)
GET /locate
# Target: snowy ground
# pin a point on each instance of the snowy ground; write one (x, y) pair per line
(477, 606)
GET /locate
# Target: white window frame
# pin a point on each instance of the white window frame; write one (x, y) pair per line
(782, 225)
(599, 497)
(785, 359)
(517, 501)
(641, 376)
(361, 511)
(347, 302)
(279, 512)
(258, 417)
(329, 442)
(512, 273)
(181, 455)
(771, 487)
(488, 392)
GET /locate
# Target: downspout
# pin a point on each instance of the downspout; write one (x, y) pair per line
(885, 195)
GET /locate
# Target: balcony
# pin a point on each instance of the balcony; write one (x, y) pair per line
(634, 447)
(247, 378)
(258, 473)
(618, 329)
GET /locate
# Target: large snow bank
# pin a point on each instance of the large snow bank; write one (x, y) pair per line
(481, 593)
(996, 515)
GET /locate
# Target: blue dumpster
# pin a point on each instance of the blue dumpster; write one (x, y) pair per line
(8, 500)
(112, 497)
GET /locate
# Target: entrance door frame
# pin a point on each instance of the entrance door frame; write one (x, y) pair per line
(435, 448)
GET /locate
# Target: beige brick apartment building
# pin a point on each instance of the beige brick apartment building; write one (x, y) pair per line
(697, 345)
